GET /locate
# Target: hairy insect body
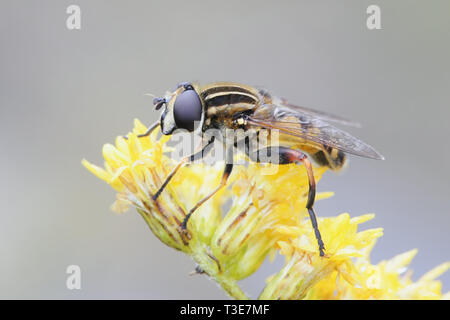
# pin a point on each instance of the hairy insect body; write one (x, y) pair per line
(226, 106)
(291, 134)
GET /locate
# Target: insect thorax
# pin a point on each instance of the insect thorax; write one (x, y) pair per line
(225, 102)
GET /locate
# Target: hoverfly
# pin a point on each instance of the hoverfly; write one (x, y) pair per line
(303, 132)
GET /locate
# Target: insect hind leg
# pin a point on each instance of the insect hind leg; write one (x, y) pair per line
(284, 155)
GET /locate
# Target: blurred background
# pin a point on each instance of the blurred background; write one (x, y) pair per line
(64, 93)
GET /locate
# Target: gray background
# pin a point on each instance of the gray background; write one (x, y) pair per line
(65, 93)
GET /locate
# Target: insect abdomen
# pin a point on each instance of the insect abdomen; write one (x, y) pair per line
(330, 157)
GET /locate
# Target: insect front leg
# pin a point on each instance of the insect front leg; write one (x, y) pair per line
(148, 132)
(226, 173)
(194, 157)
(285, 155)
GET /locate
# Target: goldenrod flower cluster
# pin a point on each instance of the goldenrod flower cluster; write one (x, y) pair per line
(267, 216)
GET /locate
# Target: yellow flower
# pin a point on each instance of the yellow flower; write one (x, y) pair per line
(137, 167)
(260, 216)
(267, 215)
(304, 268)
(386, 280)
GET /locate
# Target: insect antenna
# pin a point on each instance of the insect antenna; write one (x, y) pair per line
(159, 102)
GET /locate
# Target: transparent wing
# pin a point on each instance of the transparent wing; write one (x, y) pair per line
(324, 115)
(304, 126)
(315, 113)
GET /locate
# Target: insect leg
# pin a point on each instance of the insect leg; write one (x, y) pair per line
(226, 173)
(310, 202)
(195, 156)
(285, 156)
(149, 130)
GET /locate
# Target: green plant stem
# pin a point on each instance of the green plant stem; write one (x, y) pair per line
(231, 288)
(210, 267)
(200, 253)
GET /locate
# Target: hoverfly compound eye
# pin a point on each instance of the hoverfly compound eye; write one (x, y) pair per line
(187, 109)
